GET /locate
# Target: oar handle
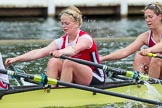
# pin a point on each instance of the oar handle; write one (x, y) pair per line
(154, 55)
(84, 62)
(151, 55)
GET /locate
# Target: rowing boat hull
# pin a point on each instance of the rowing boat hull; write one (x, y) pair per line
(70, 97)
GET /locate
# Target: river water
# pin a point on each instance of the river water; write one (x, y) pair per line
(50, 28)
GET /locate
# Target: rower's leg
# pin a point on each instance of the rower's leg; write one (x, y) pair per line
(141, 63)
(75, 72)
(54, 68)
(155, 68)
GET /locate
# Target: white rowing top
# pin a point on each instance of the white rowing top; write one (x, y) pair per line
(3, 77)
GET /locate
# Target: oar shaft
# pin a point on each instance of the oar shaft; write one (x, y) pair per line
(83, 62)
(117, 71)
(12, 73)
(35, 78)
(104, 67)
(88, 63)
(96, 90)
(130, 74)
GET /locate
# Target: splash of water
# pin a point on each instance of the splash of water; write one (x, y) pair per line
(152, 92)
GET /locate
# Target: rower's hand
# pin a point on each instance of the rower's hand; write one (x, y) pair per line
(144, 52)
(56, 53)
(68, 51)
(101, 58)
(10, 61)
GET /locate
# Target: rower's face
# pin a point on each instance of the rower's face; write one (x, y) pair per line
(69, 25)
(152, 19)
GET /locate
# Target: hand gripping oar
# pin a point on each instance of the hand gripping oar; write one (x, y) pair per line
(154, 55)
(134, 75)
(45, 80)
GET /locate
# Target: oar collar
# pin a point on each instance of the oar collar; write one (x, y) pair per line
(44, 79)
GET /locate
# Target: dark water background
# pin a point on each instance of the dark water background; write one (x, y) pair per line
(49, 28)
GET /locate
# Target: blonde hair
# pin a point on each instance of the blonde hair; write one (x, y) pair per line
(74, 12)
(156, 7)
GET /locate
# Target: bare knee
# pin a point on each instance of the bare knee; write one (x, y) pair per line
(68, 64)
(54, 67)
(141, 63)
(52, 61)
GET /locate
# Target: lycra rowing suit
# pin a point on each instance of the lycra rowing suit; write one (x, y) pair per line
(151, 41)
(90, 54)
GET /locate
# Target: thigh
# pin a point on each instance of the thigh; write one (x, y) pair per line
(82, 74)
(55, 63)
(54, 68)
(155, 68)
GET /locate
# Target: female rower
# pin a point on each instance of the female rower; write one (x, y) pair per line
(74, 43)
(153, 66)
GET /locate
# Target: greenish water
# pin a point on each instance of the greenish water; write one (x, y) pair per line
(50, 28)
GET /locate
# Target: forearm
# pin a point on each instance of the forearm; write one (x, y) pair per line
(29, 56)
(119, 54)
